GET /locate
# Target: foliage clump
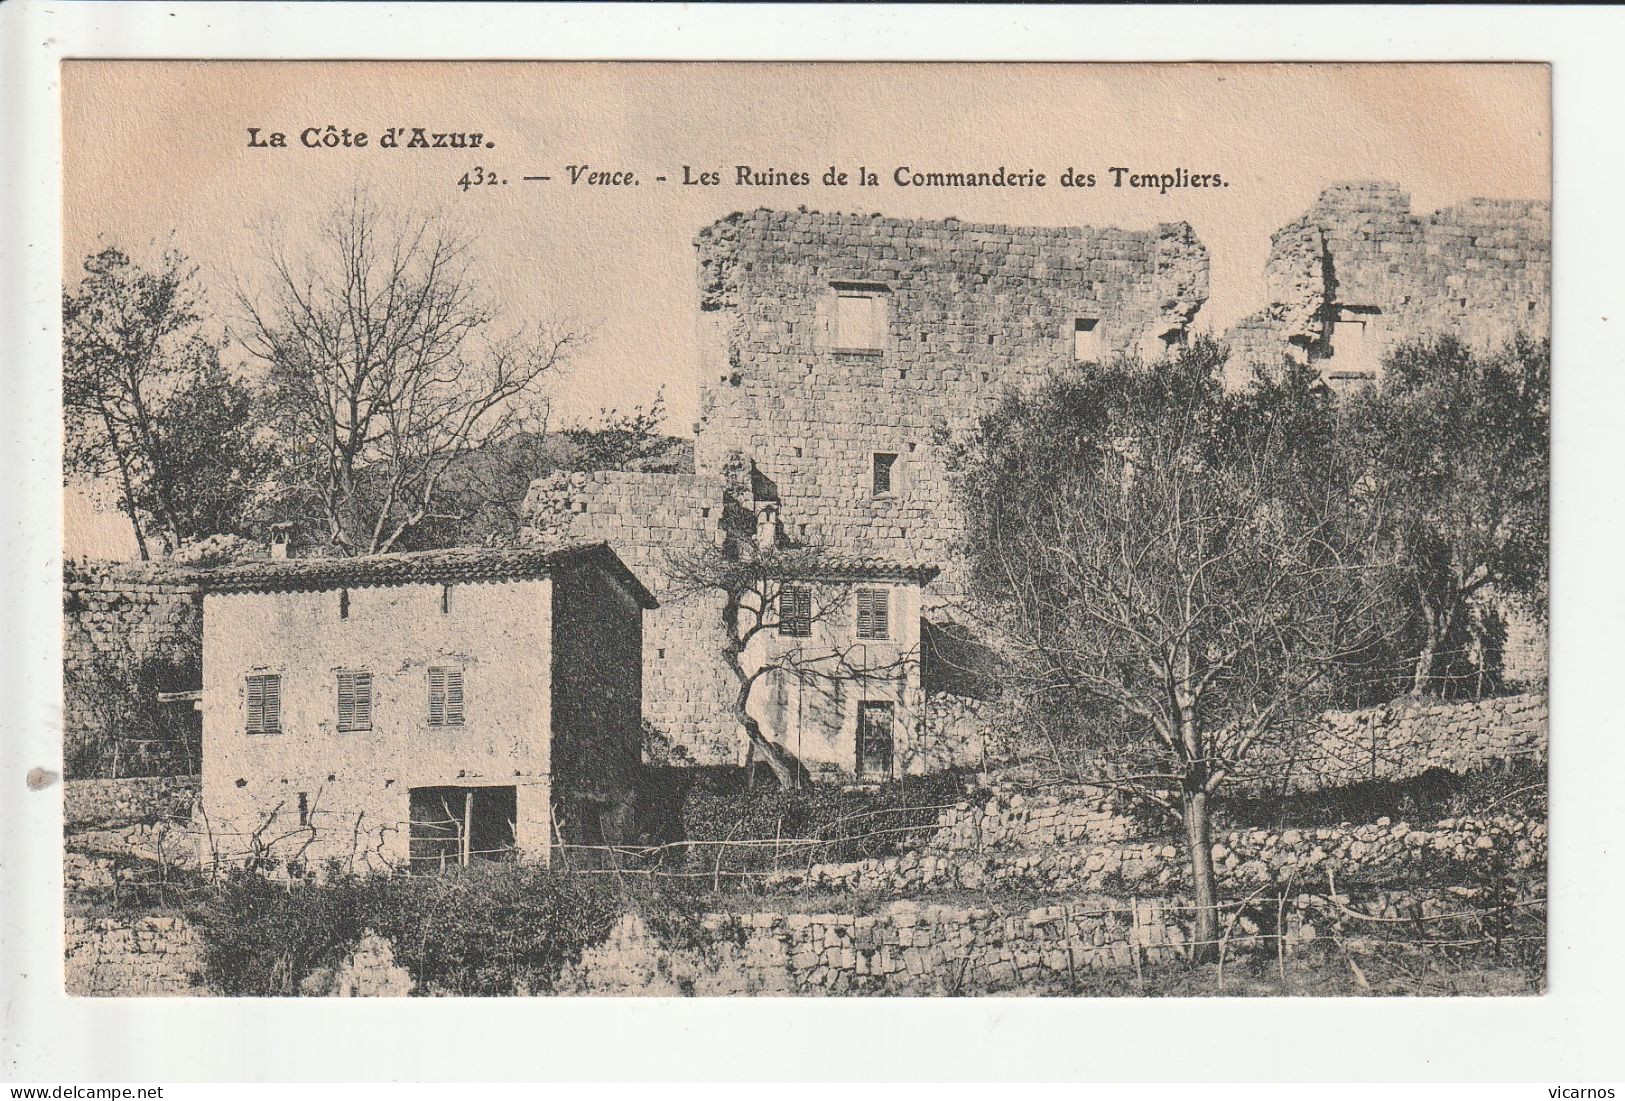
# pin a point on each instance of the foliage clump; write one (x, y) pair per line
(483, 932)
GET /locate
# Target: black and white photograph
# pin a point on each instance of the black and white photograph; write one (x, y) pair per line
(727, 530)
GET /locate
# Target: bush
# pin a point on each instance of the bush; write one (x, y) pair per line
(131, 733)
(484, 931)
(856, 824)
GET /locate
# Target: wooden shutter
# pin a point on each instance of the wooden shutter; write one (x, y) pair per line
(256, 705)
(355, 701)
(272, 717)
(264, 703)
(437, 697)
(445, 697)
(873, 614)
(454, 697)
(795, 611)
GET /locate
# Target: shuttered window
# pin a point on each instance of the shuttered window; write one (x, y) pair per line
(265, 703)
(795, 611)
(874, 619)
(355, 701)
(445, 696)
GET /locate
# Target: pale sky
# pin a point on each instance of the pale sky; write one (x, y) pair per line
(154, 151)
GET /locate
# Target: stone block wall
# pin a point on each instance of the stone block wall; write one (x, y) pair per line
(911, 948)
(1480, 270)
(141, 799)
(115, 616)
(649, 519)
(969, 310)
(1407, 737)
(144, 957)
(1244, 860)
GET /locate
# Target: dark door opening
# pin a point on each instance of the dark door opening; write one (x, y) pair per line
(455, 826)
(875, 724)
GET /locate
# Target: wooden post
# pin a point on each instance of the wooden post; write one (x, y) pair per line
(468, 825)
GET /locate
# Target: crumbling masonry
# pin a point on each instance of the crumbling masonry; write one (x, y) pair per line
(1359, 272)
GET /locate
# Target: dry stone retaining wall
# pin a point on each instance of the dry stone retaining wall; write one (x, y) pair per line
(151, 956)
(1480, 270)
(1244, 859)
(136, 799)
(922, 949)
(1406, 738)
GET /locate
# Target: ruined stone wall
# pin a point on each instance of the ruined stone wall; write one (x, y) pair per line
(116, 616)
(968, 310)
(1480, 270)
(141, 957)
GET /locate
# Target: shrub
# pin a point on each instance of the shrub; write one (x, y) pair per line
(848, 824)
(483, 931)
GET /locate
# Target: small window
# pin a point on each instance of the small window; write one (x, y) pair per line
(304, 808)
(860, 319)
(884, 473)
(344, 603)
(355, 701)
(1352, 348)
(265, 703)
(795, 611)
(445, 696)
(1086, 346)
(874, 613)
(445, 600)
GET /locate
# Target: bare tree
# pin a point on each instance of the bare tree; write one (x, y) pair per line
(1176, 572)
(386, 366)
(751, 580)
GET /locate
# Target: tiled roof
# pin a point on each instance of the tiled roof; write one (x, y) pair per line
(454, 565)
(824, 566)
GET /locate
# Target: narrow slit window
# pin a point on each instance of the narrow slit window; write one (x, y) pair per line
(355, 701)
(445, 600)
(265, 703)
(795, 611)
(883, 473)
(874, 614)
(344, 603)
(304, 808)
(445, 696)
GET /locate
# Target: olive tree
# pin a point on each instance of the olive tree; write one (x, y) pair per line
(1174, 571)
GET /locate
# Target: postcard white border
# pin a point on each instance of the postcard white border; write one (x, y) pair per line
(1572, 1035)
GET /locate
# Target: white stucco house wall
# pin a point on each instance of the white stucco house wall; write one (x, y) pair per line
(423, 709)
(843, 693)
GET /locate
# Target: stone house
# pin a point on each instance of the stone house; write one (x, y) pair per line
(839, 655)
(421, 709)
(1359, 273)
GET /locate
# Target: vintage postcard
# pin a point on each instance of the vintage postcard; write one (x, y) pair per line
(732, 529)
